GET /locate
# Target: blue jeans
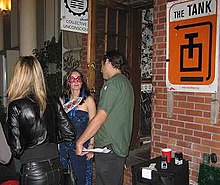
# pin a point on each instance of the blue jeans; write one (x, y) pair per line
(48, 172)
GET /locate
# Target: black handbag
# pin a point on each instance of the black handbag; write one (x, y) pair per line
(69, 176)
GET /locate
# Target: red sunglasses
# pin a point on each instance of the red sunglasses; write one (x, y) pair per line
(73, 79)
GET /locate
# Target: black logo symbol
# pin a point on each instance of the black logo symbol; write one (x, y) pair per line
(190, 47)
(77, 7)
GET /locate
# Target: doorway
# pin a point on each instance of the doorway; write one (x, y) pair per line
(141, 48)
(128, 27)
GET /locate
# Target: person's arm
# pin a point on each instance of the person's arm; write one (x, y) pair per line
(91, 107)
(14, 135)
(67, 131)
(92, 112)
(91, 130)
(5, 153)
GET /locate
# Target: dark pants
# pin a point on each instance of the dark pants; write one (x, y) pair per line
(109, 169)
(7, 172)
(47, 172)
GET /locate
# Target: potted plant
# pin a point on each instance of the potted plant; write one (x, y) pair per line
(50, 58)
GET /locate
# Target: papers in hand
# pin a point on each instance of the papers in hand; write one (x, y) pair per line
(98, 150)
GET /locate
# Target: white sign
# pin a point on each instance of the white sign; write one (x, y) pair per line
(192, 51)
(74, 15)
(191, 9)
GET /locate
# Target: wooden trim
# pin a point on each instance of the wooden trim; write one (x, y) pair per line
(116, 31)
(112, 4)
(106, 28)
(134, 58)
(91, 45)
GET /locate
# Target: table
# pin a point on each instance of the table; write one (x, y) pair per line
(174, 175)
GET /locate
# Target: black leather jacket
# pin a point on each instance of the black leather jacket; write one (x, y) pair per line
(27, 129)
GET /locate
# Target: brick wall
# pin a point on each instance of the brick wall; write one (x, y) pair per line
(190, 130)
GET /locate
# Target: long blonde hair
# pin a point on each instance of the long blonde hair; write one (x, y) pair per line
(28, 78)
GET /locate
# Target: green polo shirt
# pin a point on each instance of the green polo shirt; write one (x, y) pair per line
(117, 100)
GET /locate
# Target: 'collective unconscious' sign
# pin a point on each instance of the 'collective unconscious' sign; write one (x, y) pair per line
(192, 45)
(74, 15)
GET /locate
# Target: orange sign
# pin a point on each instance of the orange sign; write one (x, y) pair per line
(192, 27)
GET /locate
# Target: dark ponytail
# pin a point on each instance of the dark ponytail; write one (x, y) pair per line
(118, 61)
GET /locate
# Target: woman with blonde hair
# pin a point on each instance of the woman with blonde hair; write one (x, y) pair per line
(36, 124)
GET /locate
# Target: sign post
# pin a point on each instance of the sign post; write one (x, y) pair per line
(192, 46)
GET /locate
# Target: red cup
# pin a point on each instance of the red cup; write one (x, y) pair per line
(167, 152)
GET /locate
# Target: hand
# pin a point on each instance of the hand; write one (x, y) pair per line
(89, 156)
(79, 149)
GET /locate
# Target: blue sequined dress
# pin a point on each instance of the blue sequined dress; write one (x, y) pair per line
(81, 166)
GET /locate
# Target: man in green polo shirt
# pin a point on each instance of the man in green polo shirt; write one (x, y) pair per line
(112, 125)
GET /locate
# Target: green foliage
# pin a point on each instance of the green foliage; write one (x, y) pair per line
(208, 175)
(50, 56)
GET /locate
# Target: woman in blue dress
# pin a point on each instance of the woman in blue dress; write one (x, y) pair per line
(81, 108)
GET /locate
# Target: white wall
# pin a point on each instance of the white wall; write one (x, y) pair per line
(11, 58)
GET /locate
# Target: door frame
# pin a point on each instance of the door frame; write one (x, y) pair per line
(134, 31)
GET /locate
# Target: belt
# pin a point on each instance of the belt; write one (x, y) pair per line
(42, 163)
(40, 167)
